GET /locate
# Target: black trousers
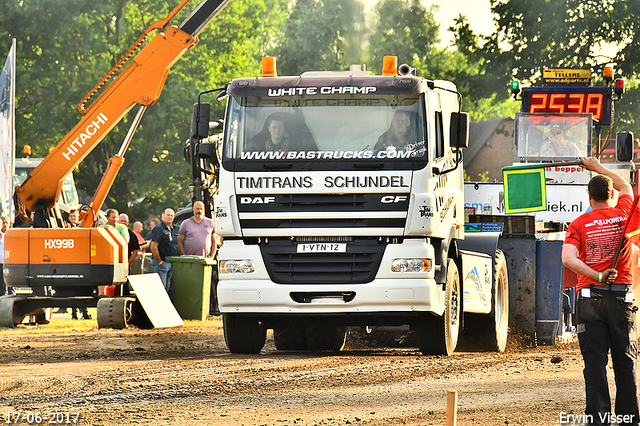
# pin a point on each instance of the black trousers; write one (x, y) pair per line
(607, 322)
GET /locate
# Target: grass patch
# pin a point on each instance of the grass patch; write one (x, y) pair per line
(62, 323)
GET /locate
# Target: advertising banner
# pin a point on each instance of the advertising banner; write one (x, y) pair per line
(7, 130)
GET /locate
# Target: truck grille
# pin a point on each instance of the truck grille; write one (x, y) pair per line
(358, 265)
(286, 211)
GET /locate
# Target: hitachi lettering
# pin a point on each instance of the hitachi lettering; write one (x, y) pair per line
(81, 140)
(274, 182)
(365, 182)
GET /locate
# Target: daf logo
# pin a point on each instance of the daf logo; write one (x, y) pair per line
(393, 199)
(257, 200)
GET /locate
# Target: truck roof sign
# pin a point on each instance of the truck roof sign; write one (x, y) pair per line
(567, 76)
(318, 86)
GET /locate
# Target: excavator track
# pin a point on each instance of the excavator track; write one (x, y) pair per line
(16, 310)
(115, 312)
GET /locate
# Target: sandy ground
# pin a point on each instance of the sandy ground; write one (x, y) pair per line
(186, 376)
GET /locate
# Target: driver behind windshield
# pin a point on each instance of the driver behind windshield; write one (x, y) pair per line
(283, 132)
(557, 145)
(401, 132)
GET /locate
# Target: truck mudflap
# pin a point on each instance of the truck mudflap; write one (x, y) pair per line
(477, 238)
(477, 271)
(479, 250)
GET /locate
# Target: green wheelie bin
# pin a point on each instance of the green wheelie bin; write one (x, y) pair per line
(192, 284)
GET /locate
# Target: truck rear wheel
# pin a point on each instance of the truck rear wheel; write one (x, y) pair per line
(290, 338)
(490, 332)
(438, 335)
(323, 337)
(243, 335)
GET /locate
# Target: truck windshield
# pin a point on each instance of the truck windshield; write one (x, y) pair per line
(341, 127)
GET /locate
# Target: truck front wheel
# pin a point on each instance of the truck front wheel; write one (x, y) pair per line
(243, 335)
(438, 335)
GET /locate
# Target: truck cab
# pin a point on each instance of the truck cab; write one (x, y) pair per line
(340, 202)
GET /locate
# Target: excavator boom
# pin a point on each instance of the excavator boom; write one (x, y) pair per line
(75, 262)
(140, 82)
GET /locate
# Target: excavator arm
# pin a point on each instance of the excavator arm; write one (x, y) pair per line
(75, 262)
(140, 82)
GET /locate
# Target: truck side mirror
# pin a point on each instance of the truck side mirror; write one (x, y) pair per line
(459, 130)
(200, 120)
(624, 146)
(208, 151)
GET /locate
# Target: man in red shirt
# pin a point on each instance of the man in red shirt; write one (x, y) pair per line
(605, 309)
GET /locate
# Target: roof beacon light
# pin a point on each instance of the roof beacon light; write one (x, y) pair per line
(619, 87)
(607, 73)
(390, 65)
(269, 66)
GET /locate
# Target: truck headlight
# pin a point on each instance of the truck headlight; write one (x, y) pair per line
(244, 266)
(411, 265)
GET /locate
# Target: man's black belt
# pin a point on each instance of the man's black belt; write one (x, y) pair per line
(611, 287)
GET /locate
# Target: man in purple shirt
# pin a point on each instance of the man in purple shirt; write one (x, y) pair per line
(197, 234)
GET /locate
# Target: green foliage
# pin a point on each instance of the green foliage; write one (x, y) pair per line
(66, 46)
(321, 35)
(406, 29)
(482, 177)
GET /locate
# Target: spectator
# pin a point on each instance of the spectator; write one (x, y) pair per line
(163, 244)
(134, 245)
(112, 222)
(152, 224)
(74, 221)
(137, 230)
(197, 234)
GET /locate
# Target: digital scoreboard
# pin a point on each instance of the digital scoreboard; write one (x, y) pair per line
(569, 100)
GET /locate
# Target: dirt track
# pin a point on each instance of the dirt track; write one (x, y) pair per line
(185, 376)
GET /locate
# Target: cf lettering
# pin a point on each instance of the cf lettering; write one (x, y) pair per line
(393, 199)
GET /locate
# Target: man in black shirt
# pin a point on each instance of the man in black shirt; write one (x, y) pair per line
(163, 244)
(134, 245)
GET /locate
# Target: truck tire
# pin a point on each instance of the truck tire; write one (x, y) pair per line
(243, 335)
(291, 338)
(490, 332)
(438, 335)
(322, 337)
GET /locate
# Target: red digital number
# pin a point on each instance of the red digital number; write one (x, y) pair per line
(557, 104)
(594, 105)
(560, 103)
(541, 106)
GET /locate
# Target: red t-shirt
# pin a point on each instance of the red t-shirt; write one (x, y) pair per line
(597, 234)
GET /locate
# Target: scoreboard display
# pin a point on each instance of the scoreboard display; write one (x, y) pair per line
(569, 100)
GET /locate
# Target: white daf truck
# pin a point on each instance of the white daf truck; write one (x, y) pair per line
(354, 218)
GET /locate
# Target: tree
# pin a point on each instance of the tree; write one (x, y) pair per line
(404, 29)
(533, 35)
(321, 35)
(66, 46)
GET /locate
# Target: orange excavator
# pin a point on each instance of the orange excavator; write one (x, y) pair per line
(74, 262)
